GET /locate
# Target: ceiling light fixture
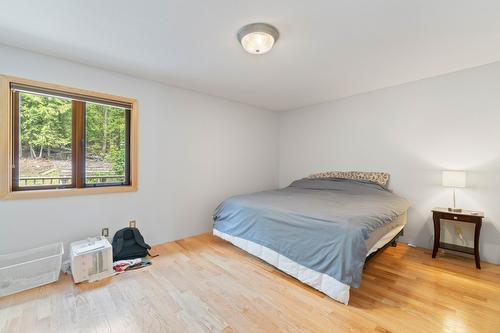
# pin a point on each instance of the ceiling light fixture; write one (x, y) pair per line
(258, 38)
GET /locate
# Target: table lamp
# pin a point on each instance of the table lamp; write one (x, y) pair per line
(454, 179)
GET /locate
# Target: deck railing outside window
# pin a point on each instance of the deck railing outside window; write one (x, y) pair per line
(32, 181)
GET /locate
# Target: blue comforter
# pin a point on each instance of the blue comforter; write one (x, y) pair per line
(322, 224)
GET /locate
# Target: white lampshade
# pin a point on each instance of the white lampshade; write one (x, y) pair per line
(454, 178)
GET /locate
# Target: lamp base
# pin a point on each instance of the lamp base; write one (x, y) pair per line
(455, 210)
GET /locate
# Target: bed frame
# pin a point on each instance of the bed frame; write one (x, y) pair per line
(392, 242)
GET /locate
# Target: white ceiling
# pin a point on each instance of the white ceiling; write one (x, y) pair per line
(328, 48)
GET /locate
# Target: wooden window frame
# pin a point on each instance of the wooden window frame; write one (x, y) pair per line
(8, 126)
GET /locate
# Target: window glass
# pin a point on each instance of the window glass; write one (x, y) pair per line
(45, 143)
(64, 139)
(106, 160)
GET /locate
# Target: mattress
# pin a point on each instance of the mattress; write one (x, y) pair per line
(323, 282)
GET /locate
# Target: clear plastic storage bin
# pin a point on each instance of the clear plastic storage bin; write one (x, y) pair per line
(29, 269)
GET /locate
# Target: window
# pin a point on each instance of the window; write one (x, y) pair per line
(63, 140)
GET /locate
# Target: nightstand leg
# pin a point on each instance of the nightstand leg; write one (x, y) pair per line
(437, 235)
(477, 231)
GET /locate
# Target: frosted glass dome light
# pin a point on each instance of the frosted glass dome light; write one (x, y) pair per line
(258, 38)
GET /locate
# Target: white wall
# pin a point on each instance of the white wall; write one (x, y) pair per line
(413, 131)
(194, 150)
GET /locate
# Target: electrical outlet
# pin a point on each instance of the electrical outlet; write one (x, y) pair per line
(105, 232)
(132, 224)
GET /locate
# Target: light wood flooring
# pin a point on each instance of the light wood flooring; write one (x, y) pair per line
(204, 284)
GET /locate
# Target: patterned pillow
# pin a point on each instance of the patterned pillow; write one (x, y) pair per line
(381, 178)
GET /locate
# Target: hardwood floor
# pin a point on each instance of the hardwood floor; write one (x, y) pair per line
(204, 284)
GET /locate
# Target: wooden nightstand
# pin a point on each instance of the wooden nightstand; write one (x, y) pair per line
(463, 216)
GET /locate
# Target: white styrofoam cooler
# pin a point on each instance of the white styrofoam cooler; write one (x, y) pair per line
(30, 268)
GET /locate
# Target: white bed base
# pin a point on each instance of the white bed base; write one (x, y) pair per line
(322, 282)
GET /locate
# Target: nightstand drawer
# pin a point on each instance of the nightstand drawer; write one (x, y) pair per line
(459, 217)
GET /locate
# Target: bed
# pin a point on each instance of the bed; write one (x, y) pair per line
(319, 229)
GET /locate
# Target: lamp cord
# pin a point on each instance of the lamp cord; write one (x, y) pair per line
(454, 205)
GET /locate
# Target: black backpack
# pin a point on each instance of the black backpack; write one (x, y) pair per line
(128, 243)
